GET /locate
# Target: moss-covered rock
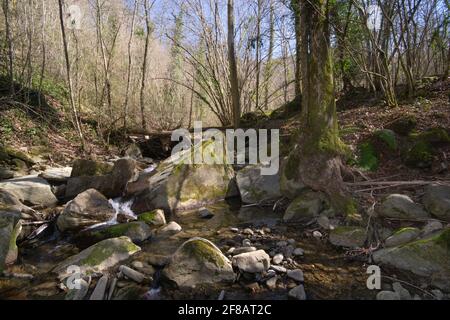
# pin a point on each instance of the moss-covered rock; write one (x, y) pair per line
(402, 236)
(348, 236)
(428, 257)
(8, 153)
(99, 257)
(404, 125)
(198, 261)
(437, 201)
(180, 185)
(31, 190)
(386, 138)
(137, 231)
(153, 218)
(308, 204)
(420, 155)
(83, 167)
(9, 231)
(401, 206)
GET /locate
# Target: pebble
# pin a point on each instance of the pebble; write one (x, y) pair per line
(431, 227)
(266, 230)
(246, 243)
(270, 273)
(298, 293)
(296, 274)
(100, 288)
(317, 234)
(221, 295)
(272, 283)
(282, 243)
(279, 269)
(234, 229)
(288, 251)
(243, 250)
(205, 213)
(231, 250)
(132, 274)
(298, 252)
(388, 295)
(278, 258)
(438, 294)
(248, 232)
(402, 292)
(171, 227)
(137, 264)
(291, 241)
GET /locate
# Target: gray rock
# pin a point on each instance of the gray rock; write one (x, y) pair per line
(6, 173)
(431, 227)
(388, 295)
(298, 293)
(237, 251)
(169, 229)
(317, 234)
(437, 201)
(246, 243)
(177, 185)
(79, 293)
(255, 187)
(30, 190)
(252, 262)
(437, 294)
(198, 261)
(272, 283)
(401, 291)
(308, 205)
(282, 243)
(100, 289)
(153, 218)
(87, 209)
(278, 269)
(132, 274)
(58, 175)
(99, 257)
(278, 258)
(402, 236)
(349, 237)
(248, 232)
(401, 206)
(111, 184)
(429, 257)
(137, 231)
(298, 252)
(296, 274)
(205, 213)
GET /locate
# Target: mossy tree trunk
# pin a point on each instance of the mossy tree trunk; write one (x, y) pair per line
(317, 155)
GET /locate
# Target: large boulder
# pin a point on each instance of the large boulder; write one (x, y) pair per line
(31, 190)
(84, 167)
(308, 204)
(111, 185)
(87, 209)
(178, 185)
(99, 257)
(198, 261)
(252, 262)
(348, 236)
(437, 201)
(255, 187)
(429, 257)
(10, 229)
(401, 206)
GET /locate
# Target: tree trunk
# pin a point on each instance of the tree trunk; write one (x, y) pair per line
(233, 67)
(296, 8)
(130, 40)
(144, 64)
(10, 46)
(268, 71)
(69, 77)
(315, 161)
(258, 52)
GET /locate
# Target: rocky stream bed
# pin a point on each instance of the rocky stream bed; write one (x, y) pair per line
(133, 229)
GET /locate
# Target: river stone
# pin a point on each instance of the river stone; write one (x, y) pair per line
(84, 167)
(111, 185)
(58, 175)
(177, 185)
(6, 173)
(87, 209)
(296, 274)
(431, 227)
(10, 229)
(429, 257)
(252, 262)
(307, 205)
(153, 218)
(402, 236)
(401, 206)
(137, 231)
(198, 261)
(169, 229)
(255, 187)
(401, 291)
(240, 250)
(99, 257)
(437, 201)
(80, 292)
(100, 289)
(31, 190)
(298, 293)
(388, 295)
(278, 258)
(348, 236)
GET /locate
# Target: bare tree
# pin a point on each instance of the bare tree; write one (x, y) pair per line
(233, 66)
(9, 43)
(130, 40)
